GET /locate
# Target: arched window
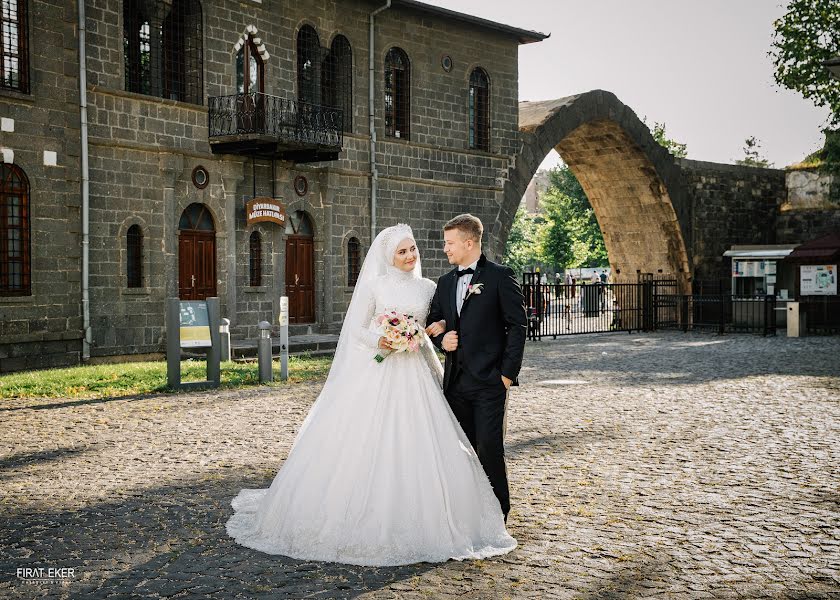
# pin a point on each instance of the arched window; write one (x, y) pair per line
(250, 69)
(299, 223)
(479, 110)
(255, 260)
(134, 256)
(397, 94)
(14, 232)
(14, 51)
(196, 217)
(163, 47)
(308, 62)
(337, 79)
(354, 260)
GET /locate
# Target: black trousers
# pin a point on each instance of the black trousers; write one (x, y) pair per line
(480, 409)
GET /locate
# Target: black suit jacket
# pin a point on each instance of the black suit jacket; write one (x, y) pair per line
(491, 328)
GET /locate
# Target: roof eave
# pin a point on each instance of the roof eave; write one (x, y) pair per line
(523, 36)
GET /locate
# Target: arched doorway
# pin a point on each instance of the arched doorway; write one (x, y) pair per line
(196, 253)
(300, 267)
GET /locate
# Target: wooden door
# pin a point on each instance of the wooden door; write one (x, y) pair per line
(196, 265)
(300, 278)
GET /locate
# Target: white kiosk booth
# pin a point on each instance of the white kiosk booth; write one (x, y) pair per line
(757, 271)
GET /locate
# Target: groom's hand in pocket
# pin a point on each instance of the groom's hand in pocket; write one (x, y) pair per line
(450, 341)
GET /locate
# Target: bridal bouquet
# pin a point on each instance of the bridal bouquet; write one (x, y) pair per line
(402, 332)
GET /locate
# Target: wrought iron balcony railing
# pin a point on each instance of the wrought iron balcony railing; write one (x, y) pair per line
(270, 125)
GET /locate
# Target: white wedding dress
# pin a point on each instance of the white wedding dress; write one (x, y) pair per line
(380, 472)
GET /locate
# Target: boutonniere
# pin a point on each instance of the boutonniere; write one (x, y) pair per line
(474, 289)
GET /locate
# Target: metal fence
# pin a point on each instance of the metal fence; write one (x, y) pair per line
(722, 313)
(560, 309)
(822, 314)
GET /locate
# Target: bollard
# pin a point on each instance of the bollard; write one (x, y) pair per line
(264, 352)
(224, 332)
(283, 318)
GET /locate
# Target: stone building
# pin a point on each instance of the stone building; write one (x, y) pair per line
(194, 108)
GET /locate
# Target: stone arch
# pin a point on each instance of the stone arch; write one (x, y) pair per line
(632, 182)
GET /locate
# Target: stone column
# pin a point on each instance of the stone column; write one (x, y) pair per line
(231, 186)
(171, 167)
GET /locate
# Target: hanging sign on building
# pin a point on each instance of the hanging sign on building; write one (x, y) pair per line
(195, 324)
(818, 280)
(260, 210)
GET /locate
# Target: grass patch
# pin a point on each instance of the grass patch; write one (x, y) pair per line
(128, 379)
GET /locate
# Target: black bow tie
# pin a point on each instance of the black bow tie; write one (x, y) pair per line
(465, 272)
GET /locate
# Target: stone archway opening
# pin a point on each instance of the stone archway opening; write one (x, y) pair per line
(631, 181)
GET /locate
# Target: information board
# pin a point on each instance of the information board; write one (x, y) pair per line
(818, 280)
(195, 324)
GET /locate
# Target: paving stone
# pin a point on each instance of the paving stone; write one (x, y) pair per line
(681, 466)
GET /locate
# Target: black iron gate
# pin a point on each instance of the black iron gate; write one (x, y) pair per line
(652, 303)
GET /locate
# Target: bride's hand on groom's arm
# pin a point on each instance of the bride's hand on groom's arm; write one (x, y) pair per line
(436, 328)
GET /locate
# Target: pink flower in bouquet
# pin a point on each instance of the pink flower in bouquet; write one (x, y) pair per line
(401, 332)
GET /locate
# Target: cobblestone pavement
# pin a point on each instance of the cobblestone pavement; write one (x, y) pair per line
(658, 465)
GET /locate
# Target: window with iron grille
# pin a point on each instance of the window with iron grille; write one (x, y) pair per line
(308, 63)
(337, 79)
(397, 94)
(354, 260)
(14, 232)
(479, 110)
(14, 53)
(134, 256)
(163, 47)
(255, 263)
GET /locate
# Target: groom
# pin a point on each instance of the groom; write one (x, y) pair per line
(484, 310)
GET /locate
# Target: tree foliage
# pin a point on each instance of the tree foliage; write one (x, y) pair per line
(752, 154)
(524, 243)
(573, 237)
(803, 39)
(675, 148)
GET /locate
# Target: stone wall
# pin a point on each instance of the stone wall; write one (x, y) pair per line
(811, 209)
(730, 204)
(45, 328)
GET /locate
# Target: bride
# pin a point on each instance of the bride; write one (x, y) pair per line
(380, 473)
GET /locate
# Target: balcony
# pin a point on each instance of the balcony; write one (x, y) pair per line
(265, 126)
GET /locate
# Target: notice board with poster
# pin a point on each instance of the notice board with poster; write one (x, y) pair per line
(818, 280)
(195, 324)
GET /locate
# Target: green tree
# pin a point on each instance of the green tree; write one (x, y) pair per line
(556, 240)
(752, 154)
(803, 39)
(675, 148)
(524, 243)
(572, 237)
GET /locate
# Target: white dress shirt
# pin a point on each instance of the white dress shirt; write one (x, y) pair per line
(463, 284)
